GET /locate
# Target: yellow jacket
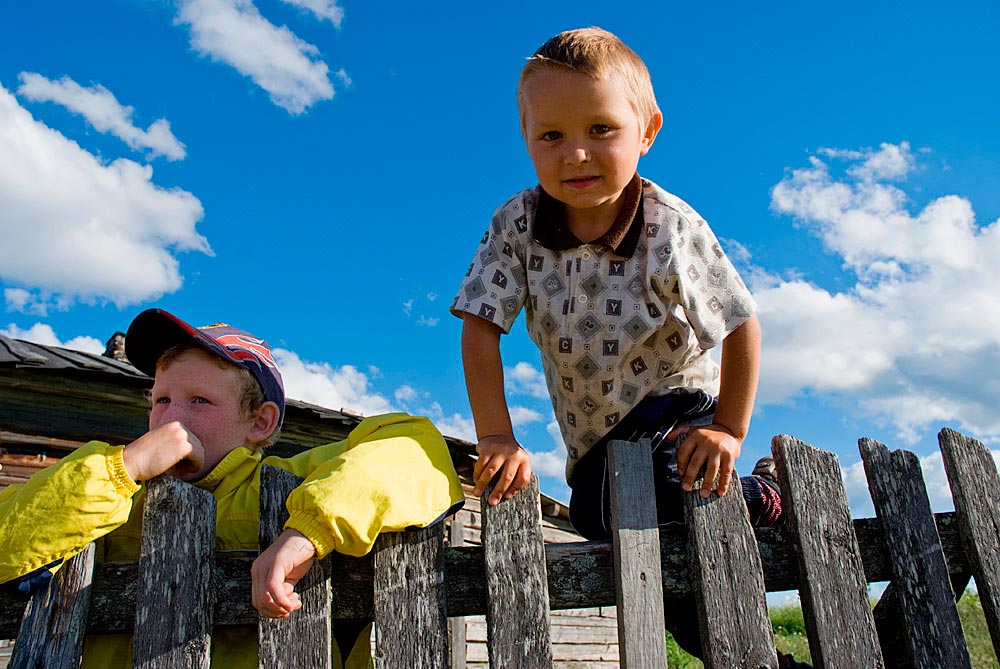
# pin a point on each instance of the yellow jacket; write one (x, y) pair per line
(390, 473)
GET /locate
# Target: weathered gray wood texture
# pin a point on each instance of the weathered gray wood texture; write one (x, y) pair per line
(55, 621)
(729, 585)
(411, 622)
(975, 487)
(457, 636)
(174, 600)
(636, 544)
(304, 638)
(517, 611)
(834, 592)
(580, 574)
(920, 572)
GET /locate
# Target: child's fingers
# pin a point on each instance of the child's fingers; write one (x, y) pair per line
(711, 471)
(725, 477)
(685, 447)
(485, 469)
(694, 465)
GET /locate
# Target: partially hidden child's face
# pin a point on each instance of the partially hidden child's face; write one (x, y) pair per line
(205, 398)
(584, 138)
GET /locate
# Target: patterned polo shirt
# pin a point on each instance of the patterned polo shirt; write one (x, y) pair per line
(629, 315)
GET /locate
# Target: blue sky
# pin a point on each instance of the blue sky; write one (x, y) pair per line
(319, 173)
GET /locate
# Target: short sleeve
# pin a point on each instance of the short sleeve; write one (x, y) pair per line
(710, 290)
(495, 286)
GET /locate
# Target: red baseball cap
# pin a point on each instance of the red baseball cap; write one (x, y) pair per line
(154, 331)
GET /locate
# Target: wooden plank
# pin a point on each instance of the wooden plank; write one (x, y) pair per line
(457, 641)
(55, 620)
(517, 608)
(304, 638)
(411, 628)
(636, 544)
(174, 598)
(918, 565)
(975, 484)
(580, 575)
(834, 593)
(729, 587)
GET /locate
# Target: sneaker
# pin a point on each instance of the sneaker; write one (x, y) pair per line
(767, 472)
(770, 507)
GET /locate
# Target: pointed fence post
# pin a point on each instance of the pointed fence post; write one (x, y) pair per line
(304, 638)
(55, 621)
(975, 485)
(834, 592)
(174, 598)
(636, 543)
(729, 583)
(920, 573)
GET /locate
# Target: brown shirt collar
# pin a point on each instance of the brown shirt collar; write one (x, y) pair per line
(550, 230)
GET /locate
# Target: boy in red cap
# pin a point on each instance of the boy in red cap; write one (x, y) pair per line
(217, 402)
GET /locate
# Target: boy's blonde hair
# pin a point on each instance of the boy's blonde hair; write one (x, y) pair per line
(251, 394)
(596, 53)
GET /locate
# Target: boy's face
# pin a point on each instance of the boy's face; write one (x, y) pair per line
(205, 398)
(585, 140)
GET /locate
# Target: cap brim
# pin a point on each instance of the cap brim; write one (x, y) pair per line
(154, 331)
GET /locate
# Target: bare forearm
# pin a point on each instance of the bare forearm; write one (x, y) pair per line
(484, 377)
(738, 385)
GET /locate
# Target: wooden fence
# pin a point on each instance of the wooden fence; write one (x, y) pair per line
(410, 584)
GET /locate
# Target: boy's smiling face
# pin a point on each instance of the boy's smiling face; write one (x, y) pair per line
(585, 139)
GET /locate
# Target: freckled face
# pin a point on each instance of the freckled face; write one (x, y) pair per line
(205, 399)
(584, 139)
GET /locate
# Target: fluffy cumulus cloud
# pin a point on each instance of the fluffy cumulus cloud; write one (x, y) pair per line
(915, 340)
(525, 379)
(103, 111)
(41, 333)
(324, 10)
(77, 227)
(234, 32)
(320, 383)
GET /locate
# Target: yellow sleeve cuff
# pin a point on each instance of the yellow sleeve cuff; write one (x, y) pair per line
(118, 474)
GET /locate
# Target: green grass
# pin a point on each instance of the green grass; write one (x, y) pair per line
(790, 636)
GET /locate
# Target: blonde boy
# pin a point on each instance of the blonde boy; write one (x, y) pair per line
(217, 402)
(625, 290)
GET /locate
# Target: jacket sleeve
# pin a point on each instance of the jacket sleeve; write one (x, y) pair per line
(63, 508)
(392, 472)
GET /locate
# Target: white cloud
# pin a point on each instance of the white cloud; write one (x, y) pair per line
(523, 416)
(234, 32)
(408, 307)
(327, 10)
(524, 379)
(75, 227)
(103, 111)
(914, 340)
(428, 322)
(42, 333)
(456, 425)
(406, 393)
(25, 301)
(551, 463)
(320, 383)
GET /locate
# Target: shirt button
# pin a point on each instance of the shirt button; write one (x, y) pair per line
(582, 299)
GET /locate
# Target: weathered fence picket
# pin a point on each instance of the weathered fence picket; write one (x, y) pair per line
(55, 619)
(302, 639)
(636, 544)
(728, 581)
(919, 569)
(975, 483)
(517, 612)
(174, 600)
(834, 593)
(411, 583)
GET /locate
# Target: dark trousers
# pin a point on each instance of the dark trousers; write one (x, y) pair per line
(590, 501)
